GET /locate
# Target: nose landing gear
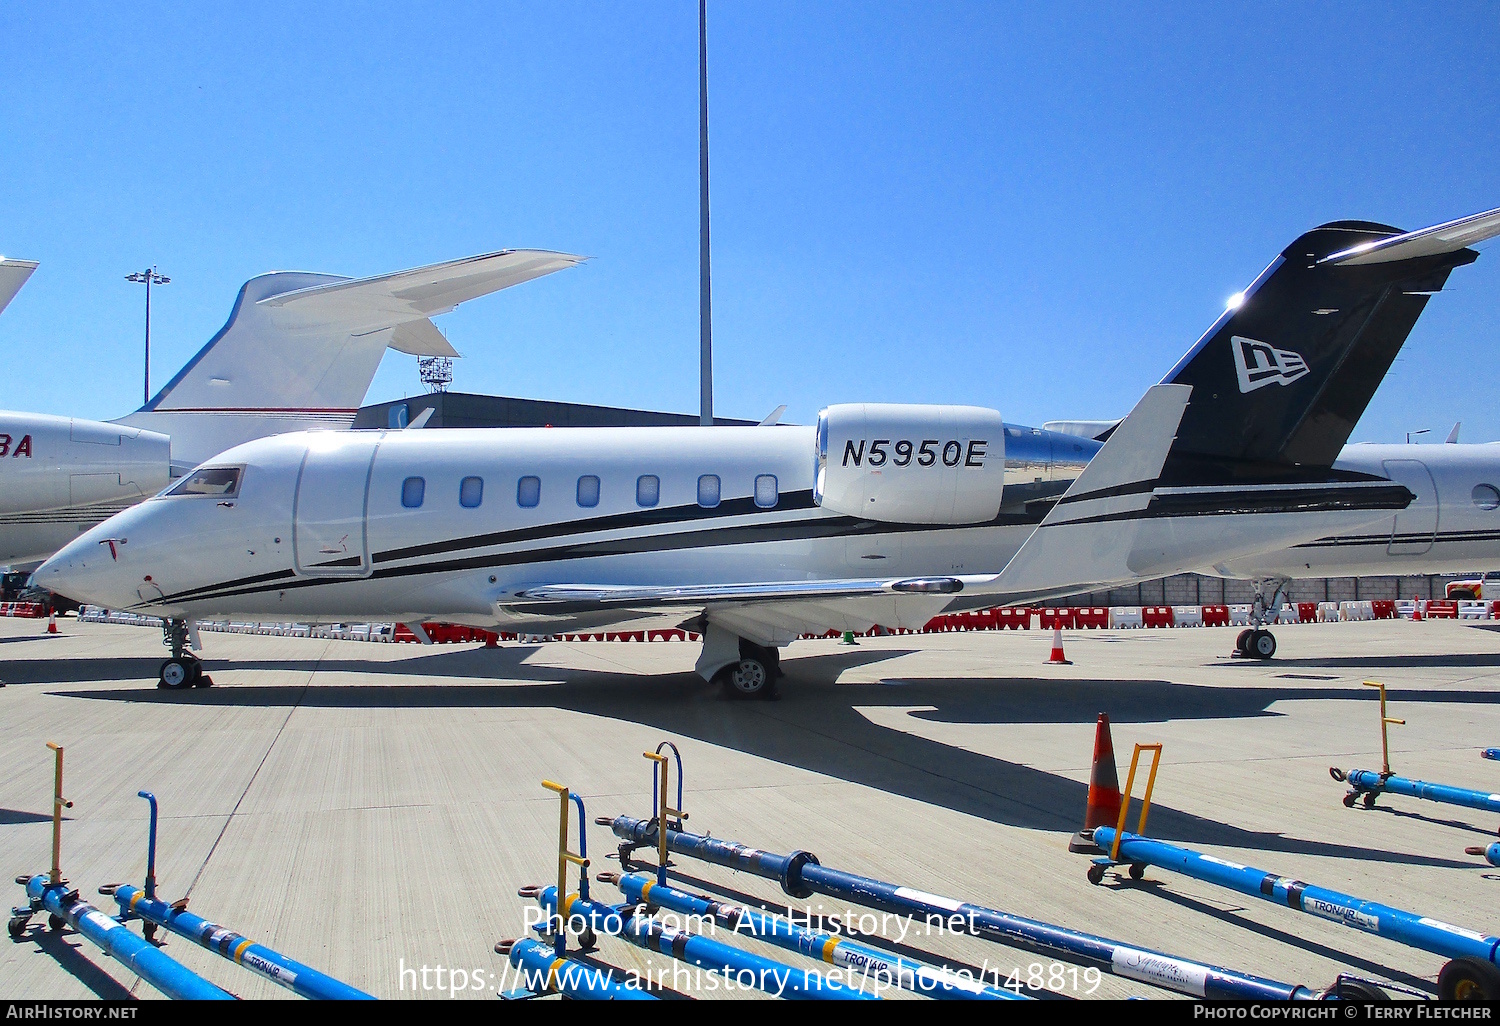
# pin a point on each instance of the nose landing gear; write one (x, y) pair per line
(183, 669)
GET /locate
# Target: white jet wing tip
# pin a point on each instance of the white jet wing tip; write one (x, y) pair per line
(1448, 237)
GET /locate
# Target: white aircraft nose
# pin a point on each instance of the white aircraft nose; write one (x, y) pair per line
(81, 573)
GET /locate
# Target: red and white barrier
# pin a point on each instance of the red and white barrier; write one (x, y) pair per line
(1001, 618)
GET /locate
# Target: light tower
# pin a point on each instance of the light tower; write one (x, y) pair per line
(150, 277)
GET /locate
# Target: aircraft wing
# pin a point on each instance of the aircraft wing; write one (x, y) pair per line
(366, 305)
(773, 612)
(13, 274)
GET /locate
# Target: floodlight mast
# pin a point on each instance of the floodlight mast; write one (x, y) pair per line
(705, 303)
(150, 277)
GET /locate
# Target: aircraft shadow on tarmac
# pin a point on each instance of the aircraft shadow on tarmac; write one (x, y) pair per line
(818, 726)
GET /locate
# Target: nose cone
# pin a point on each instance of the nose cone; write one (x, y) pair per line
(87, 570)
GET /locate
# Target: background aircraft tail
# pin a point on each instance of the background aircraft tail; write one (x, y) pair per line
(299, 349)
(13, 274)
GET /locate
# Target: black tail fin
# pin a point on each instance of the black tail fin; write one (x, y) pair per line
(1281, 379)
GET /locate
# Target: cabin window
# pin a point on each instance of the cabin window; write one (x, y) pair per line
(588, 490)
(220, 482)
(1486, 496)
(412, 490)
(528, 491)
(766, 492)
(647, 490)
(471, 492)
(708, 491)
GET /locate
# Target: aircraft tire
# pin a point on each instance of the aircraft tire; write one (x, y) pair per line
(179, 674)
(749, 678)
(1262, 644)
(1242, 643)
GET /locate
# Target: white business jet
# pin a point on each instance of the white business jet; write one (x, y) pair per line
(298, 352)
(752, 536)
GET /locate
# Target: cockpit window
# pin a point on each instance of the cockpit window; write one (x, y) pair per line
(219, 482)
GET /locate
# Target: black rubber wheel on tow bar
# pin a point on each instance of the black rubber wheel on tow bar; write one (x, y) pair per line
(1096, 874)
(1359, 990)
(748, 678)
(1242, 643)
(1350, 799)
(1369, 799)
(56, 922)
(1469, 979)
(1262, 644)
(177, 674)
(1137, 870)
(16, 926)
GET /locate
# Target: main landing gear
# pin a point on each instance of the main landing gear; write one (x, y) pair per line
(1257, 642)
(183, 669)
(756, 673)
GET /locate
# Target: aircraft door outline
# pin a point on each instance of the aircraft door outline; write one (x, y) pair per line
(330, 510)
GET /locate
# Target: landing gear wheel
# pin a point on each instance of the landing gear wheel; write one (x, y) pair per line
(1350, 799)
(1370, 803)
(17, 926)
(1137, 870)
(1469, 979)
(1242, 643)
(748, 678)
(1262, 644)
(178, 673)
(56, 922)
(1096, 874)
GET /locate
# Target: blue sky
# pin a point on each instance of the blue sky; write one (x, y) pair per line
(1036, 208)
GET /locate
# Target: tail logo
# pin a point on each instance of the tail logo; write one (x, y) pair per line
(1259, 364)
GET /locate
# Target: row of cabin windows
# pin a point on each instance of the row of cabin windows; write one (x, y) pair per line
(647, 491)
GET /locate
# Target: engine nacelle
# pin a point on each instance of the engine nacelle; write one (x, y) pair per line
(54, 462)
(911, 464)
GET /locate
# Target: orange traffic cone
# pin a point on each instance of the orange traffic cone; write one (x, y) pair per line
(1104, 791)
(1058, 659)
(51, 622)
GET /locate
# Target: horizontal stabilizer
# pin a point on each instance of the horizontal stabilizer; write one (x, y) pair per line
(13, 274)
(368, 304)
(1439, 239)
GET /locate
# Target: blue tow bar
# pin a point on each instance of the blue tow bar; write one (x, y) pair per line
(134, 953)
(1371, 917)
(889, 970)
(801, 876)
(544, 972)
(258, 958)
(1491, 852)
(1369, 783)
(736, 965)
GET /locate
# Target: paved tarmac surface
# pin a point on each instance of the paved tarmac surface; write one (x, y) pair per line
(368, 809)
